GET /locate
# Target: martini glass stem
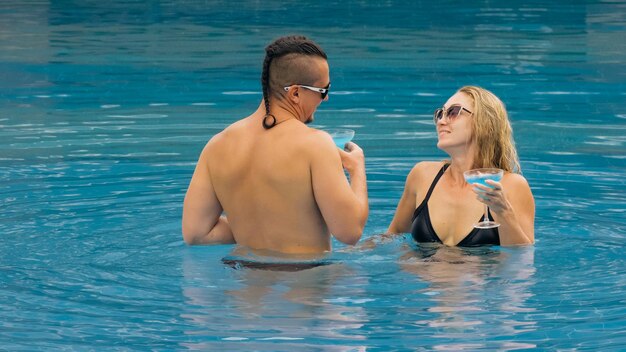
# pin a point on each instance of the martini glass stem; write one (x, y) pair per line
(486, 218)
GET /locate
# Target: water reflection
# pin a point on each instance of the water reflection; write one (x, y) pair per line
(261, 304)
(468, 286)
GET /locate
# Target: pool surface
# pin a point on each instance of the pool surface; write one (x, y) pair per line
(106, 107)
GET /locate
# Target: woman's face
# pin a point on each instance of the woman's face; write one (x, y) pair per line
(454, 125)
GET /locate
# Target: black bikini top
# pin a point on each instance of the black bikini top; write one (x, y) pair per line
(422, 229)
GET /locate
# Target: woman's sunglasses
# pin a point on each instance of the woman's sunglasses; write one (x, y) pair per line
(451, 113)
(323, 91)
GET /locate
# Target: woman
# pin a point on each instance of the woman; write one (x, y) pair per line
(439, 206)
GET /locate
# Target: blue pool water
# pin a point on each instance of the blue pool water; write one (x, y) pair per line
(105, 108)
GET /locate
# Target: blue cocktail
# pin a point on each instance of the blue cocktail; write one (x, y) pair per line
(480, 176)
(341, 136)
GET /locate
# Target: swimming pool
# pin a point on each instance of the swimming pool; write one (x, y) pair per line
(106, 108)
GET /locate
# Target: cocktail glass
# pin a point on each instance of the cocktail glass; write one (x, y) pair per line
(480, 176)
(341, 136)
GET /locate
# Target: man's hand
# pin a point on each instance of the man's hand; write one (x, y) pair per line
(352, 158)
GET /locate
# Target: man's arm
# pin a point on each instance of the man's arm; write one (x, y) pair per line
(343, 205)
(202, 223)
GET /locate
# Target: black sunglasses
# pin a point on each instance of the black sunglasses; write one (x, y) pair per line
(451, 113)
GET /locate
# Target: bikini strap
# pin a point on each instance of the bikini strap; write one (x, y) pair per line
(435, 180)
(430, 191)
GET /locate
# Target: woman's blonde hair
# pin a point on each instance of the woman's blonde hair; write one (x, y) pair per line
(492, 132)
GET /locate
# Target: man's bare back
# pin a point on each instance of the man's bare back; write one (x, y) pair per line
(264, 182)
(281, 187)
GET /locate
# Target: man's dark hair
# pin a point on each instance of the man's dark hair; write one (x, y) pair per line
(287, 59)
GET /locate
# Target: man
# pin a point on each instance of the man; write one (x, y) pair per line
(279, 182)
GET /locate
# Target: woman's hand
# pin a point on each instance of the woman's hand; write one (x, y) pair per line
(513, 208)
(494, 197)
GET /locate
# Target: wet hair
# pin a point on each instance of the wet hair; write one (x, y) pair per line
(287, 62)
(491, 131)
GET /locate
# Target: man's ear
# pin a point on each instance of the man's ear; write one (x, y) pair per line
(293, 94)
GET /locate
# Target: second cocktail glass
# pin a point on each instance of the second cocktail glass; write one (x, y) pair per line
(480, 176)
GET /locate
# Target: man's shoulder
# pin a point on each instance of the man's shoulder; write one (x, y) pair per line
(226, 134)
(306, 137)
(317, 141)
(310, 144)
(320, 136)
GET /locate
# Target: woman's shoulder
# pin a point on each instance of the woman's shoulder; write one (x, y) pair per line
(514, 179)
(516, 184)
(425, 169)
(428, 166)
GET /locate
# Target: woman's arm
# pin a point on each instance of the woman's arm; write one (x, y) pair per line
(512, 204)
(401, 222)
